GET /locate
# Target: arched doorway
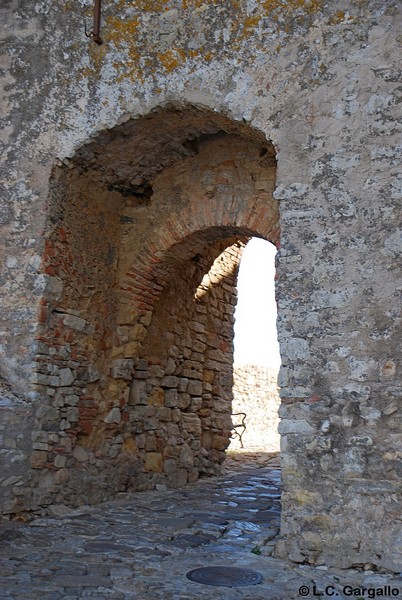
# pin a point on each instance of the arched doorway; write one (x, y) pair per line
(145, 235)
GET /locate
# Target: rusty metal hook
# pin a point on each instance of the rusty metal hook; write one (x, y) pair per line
(95, 33)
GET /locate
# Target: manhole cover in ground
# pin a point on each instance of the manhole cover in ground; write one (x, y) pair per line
(224, 576)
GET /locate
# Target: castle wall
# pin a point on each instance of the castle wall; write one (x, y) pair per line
(107, 200)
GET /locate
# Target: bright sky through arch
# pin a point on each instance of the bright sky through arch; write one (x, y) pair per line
(255, 339)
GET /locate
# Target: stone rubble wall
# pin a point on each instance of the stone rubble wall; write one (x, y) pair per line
(256, 393)
(180, 397)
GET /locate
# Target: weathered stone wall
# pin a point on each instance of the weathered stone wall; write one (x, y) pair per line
(105, 198)
(255, 392)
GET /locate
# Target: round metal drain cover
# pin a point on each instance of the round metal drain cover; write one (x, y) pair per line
(224, 576)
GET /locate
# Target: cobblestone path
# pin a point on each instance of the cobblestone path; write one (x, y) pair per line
(141, 545)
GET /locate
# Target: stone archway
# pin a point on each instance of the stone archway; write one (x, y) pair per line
(322, 84)
(145, 232)
(131, 211)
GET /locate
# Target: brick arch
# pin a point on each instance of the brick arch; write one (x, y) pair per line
(146, 279)
(224, 190)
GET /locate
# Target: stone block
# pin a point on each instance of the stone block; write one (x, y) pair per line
(140, 440)
(219, 356)
(219, 442)
(173, 429)
(170, 366)
(60, 461)
(54, 288)
(113, 416)
(127, 315)
(176, 415)
(186, 456)
(172, 398)
(39, 436)
(129, 445)
(139, 332)
(38, 459)
(150, 443)
(295, 427)
(183, 384)
(170, 381)
(137, 394)
(74, 322)
(61, 476)
(38, 446)
(199, 346)
(206, 440)
(191, 423)
(41, 379)
(122, 368)
(165, 413)
(80, 454)
(196, 326)
(144, 412)
(184, 401)
(156, 371)
(181, 477)
(171, 451)
(157, 397)
(209, 375)
(192, 373)
(71, 400)
(66, 377)
(129, 349)
(170, 466)
(93, 374)
(73, 414)
(195, 388)
(195, 406)
(152, 424)
(146, 318)
(153, 462)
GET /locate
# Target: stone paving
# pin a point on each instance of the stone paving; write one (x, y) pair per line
(141, 546)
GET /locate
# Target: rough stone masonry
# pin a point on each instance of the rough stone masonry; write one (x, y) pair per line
(133, 173)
